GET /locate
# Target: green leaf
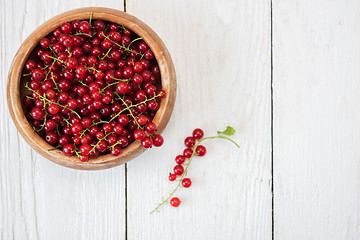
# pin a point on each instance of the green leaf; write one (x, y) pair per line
(228, 131)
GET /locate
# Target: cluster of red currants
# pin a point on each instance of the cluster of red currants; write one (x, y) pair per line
(93, 88)
(188, 153)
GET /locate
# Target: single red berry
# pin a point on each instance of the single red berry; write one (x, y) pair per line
(198, 133)
(175, 202)
(189, 142)
(172, 177)
(161, 94)
(69, 149)
(84, 158)
(142, 119)
(85, 149)
(66, 27)
(187, 152)
(50, 125)
(180, 159)
(139, 134)
(122, 87)
(186, 182)
(123, 119)
(76, 128)
(37, 113)
(158, 140)
(84, 27)
(178, 169)
(150, 127)
(200, 150)
(53, 108)
(116, 150)
(51, 138)
(146, 142)
(45, 43)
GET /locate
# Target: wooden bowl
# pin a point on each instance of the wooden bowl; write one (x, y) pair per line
(15, 91)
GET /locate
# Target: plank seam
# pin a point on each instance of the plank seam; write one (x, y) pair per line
(272, 122)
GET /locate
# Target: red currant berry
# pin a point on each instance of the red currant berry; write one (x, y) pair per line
(84, 158)
(85, 149)
(187, 153)
(146, 142)
(186, 182)
(51, 138)
(53, 108)
(76, 128)
(175, 202)
(198, 133)
(142, 120)
(200, 150)
(150, 127)
(189, 142)
(180, 159)
(69, 149)
(178, 169)
(37, 113)
(158, 140)
(139, 134)
(123, 119)
(172, 177)
(116, 150)
(84, 27)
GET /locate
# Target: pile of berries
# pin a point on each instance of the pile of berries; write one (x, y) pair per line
(93, 88)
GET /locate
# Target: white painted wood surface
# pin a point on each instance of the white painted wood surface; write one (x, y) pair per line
(222, 54)
(39, 199)
(316, 94)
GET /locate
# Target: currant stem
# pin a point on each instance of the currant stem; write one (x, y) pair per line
(186, 169)
(107, 53)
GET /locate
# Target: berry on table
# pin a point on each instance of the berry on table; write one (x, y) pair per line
(189, 142)
(200, 150)
(175, 202)
(172, 177)
(198, 133)
(186, 182)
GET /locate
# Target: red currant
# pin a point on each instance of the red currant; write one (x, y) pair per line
(198, 133)
(189, 142)
(172, 177)
(200, 150)
(175, 202)
(178, 169)
(186, 182)
(180, 159)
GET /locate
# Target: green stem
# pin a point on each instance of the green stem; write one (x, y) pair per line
(186, 169)
(91, 14)
(107, 53)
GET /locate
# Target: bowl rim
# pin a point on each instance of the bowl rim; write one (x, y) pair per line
(162, 55)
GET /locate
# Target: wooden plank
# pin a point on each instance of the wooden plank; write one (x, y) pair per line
(316, 119)
(221, 52)
(38, 199)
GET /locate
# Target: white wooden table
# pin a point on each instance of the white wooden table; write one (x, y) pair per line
(284, 73)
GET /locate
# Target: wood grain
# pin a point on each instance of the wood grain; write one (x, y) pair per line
(39, 199)
(316, 119)
(221, 51)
